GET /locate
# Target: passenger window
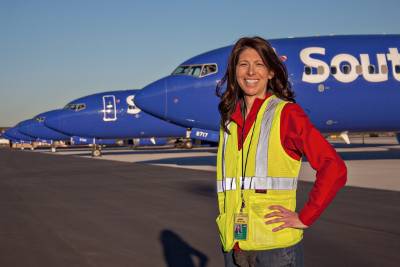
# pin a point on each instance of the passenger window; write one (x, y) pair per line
(384, 69)
(346, 68)
(320, 70)
(371, 69)
(307, 70)
(359, 69)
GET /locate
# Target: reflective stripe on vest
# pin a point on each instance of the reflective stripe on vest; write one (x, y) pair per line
(223, 149)
(226, 184)
(259, 183)
(263, 140)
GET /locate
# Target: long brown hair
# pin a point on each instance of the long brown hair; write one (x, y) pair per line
(278, 85)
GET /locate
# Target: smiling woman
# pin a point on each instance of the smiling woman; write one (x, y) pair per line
(262, 139)
(252, 75)
(251, 58)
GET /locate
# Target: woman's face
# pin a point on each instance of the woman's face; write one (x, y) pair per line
(252, 74)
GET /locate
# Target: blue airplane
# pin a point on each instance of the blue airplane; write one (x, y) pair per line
(344, 83)
(16, 137)
(112, 115)
(36, 129)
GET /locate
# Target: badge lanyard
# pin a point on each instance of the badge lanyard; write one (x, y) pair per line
(244, 165)
(241, 219)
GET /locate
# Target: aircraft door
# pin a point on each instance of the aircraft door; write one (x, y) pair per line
(109, 108)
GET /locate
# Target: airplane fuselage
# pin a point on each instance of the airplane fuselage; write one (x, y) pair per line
(110, 115)
(342, 82)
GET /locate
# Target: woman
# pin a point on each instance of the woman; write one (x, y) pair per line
(262, 139)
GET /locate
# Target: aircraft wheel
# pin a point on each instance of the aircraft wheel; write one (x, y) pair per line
(188, 145)
(96, 153)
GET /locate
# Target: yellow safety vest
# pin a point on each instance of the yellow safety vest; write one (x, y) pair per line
(268, 168)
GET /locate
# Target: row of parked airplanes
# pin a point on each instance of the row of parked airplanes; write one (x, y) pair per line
(344, 83)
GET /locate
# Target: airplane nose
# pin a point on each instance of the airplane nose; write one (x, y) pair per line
(153, 98)
(14, 133)
(26, 129)
(55, 122)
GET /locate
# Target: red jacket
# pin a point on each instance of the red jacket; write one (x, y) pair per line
(299, 137)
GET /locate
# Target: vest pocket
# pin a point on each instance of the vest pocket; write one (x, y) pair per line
(261, 234)
(221, 223)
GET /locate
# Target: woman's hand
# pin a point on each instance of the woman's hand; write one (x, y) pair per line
(288, 217)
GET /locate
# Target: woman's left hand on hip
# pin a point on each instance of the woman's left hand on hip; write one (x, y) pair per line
(287, 217)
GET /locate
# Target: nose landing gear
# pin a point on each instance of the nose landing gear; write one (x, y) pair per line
(96, 151)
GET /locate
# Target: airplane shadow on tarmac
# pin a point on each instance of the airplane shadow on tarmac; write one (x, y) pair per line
(149, 151)
(193, 161)
(178, 253)
(340, 145)
(390, 153)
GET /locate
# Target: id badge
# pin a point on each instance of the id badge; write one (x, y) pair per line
(240, 227)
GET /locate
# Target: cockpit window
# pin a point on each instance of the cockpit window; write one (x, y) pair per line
(75, 107)
(80, 107)
(209, 69)
(181, 70)
(70, 106)
(196, 70)
(40, 119)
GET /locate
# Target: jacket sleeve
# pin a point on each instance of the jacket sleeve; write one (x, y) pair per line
(299, 138)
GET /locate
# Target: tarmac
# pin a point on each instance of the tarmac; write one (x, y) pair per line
(157, 207)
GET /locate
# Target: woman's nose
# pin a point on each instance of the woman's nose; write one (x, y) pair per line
(250, 70)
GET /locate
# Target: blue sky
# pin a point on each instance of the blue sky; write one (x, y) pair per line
(54, 51)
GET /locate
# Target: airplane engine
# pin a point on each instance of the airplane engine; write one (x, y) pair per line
(150, 141)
